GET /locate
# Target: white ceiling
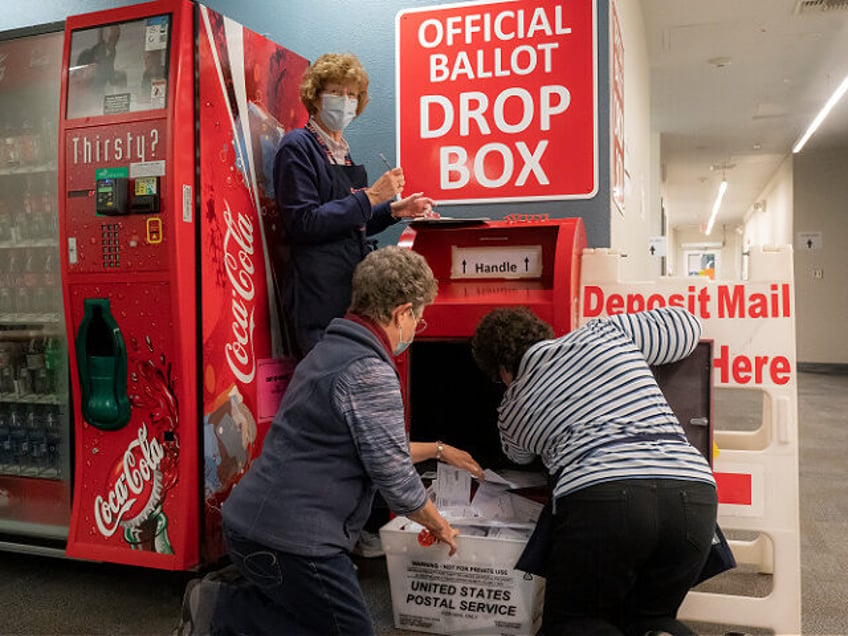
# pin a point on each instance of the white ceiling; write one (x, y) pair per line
(734, 84)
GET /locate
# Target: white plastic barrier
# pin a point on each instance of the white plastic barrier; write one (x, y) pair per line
(752, 326)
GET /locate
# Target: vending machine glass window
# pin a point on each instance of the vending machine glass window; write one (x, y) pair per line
(34, 413)
(119, 68)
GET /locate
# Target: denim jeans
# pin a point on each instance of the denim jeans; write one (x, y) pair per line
(289, 594)
(624, 555)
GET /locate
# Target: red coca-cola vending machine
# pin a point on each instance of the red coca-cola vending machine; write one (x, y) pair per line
(170, 116)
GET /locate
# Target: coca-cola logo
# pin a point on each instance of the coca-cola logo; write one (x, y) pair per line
(238, 264)
(135, 472)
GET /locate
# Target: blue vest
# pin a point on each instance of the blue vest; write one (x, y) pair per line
(308, 492)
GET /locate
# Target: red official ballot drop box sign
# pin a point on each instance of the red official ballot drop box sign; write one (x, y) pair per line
(498, 100)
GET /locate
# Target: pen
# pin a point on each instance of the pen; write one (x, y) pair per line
(390, 167)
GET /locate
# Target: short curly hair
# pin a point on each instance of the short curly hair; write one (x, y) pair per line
(333, 68)
(389, 277)
(503, 336)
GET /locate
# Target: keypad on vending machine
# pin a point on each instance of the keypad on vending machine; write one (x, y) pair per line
(109, 242)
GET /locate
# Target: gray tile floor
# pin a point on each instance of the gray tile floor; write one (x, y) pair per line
(41, 595)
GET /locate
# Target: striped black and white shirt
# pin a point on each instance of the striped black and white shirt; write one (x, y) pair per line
(585, 403)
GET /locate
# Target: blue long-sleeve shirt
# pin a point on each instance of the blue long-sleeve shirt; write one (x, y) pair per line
(327, 218)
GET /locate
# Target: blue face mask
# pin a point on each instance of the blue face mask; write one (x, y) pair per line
(402, 344)
(337, 111)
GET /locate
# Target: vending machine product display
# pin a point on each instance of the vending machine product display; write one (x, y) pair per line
(35, 479)
(170, 115)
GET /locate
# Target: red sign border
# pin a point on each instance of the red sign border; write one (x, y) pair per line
(495, 199)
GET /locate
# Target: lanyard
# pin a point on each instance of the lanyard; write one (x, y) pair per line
(311, 128)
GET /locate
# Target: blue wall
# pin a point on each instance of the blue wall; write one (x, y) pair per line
(366, 27)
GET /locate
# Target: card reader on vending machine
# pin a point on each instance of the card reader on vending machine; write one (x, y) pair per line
(116, 194)
(111, 195)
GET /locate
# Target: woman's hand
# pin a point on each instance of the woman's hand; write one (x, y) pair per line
(421, 451)
(386, 187)
(462, 460)
(414, 206)
(429, 517)
(445, 533)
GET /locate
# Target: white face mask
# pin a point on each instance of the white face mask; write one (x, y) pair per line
(402, 344)
(337, 111)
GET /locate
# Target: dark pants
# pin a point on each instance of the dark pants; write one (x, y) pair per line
(290, 594)
(624, 555)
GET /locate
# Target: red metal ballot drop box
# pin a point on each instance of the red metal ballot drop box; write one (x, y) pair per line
(483, 265)
(480, 266)
(170, 116)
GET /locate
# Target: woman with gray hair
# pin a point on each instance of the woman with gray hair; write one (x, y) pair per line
(338, 437)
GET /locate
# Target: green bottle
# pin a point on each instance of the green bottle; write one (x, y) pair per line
(102, 367)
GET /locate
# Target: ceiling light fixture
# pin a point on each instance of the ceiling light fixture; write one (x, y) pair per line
(837, 95)
(722, 188)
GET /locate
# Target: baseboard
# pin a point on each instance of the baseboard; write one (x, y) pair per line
(823, 367)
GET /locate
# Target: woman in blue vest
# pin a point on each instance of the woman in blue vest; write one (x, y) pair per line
(327, 208)
(338, 437)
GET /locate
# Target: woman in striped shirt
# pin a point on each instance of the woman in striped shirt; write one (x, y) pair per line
(634, 502)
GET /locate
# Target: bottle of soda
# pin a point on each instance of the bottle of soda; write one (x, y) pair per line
(24, 381)
(50, 207)
(53, 438)
(41, 382)
(32, 209)
(11, 281)
(30, 143)
(5, 439)
(6, 298)
(26, 213)
(20, 441)
(7, 376)
(53, 364)
(35, 353)
(27, 467)
(37, 440)
(22, 300)
(5, 220)
(23, 277)
(50, 283)
(49, 139)
(11, 143)
(7, 301)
